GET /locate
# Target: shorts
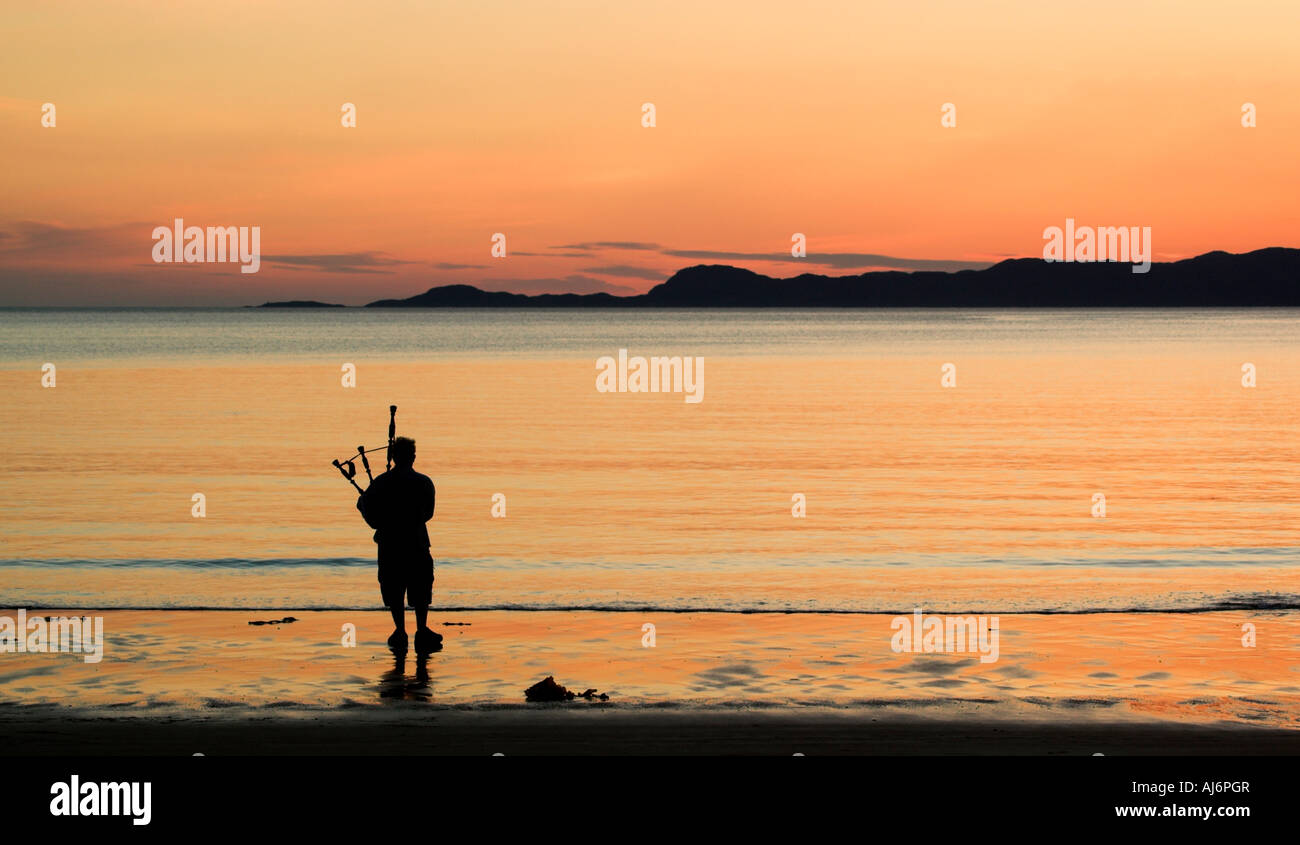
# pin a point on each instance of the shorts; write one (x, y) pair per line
(405, 572)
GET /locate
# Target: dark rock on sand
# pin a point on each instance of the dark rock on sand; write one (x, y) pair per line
(549, 690)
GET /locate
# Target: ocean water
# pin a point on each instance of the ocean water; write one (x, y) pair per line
(973, 498)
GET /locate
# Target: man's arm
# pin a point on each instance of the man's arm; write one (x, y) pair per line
(428, 509)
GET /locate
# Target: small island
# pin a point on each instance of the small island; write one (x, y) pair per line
(298, 303)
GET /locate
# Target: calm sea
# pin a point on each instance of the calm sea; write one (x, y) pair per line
(983, 496)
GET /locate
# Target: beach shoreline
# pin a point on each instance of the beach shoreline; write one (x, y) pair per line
(241, 682)
(584, 730)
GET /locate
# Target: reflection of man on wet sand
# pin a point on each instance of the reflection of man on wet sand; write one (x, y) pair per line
(397, 505)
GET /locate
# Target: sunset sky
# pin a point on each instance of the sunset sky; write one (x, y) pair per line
(525, 118)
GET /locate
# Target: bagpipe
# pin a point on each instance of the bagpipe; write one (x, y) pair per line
(349, 467)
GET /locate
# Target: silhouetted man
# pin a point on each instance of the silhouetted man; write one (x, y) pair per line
(397, 505)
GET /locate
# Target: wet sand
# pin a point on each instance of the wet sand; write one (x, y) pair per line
(180, 682)
(588, 730)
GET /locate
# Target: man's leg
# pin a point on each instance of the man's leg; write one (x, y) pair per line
(392, 588)
(394, 596)
(396, 640)
(421, 597)
(426, 641)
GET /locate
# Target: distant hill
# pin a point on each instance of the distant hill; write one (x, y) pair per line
(298, 303)
(1265, 277)
(467, 296)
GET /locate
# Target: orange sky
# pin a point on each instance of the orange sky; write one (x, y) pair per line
(525, 119)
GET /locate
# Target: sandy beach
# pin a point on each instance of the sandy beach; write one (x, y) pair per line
(184, 682)
(556, 730)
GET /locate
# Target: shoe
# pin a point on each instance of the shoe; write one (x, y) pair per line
(397, 642)
(427, 640)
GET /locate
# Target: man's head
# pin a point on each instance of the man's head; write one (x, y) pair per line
(403, 451)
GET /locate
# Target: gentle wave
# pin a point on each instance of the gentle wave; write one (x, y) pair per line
(194, 563)
(1261, 602)
(1225, 557)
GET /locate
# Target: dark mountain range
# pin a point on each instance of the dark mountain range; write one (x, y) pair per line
(1265, 277)
(467, 296)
